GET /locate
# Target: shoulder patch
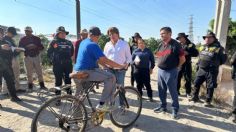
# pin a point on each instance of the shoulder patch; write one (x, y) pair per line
(190, 45)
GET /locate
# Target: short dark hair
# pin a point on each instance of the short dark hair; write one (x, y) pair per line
(113, 30)
(168, 29)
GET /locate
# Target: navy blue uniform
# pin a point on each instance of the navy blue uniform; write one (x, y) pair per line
(210, 58)
(6, 70)
(186, 69)
(60, 52)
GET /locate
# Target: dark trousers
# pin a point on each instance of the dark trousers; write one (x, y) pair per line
(142, 77)
(8, 75)
(208, 75)
(61, 72)
(132, 79)
(185, 71)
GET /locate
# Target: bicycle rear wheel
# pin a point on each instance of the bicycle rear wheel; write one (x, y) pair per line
(69, 115)
(127, 107)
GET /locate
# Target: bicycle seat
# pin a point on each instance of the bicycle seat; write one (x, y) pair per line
(79, 75)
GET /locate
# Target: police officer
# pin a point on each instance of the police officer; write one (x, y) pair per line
(186, 69)
(211, 56)
(233, 63)
(6, 56)
(11, 32)
(60, 52)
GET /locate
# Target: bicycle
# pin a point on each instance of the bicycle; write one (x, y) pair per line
(73, 116)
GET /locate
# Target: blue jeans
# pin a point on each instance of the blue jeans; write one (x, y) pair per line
(120, 76)
(167, 79)
(120, 79)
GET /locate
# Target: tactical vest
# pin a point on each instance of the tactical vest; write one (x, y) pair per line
(62, 51)
(208, 56)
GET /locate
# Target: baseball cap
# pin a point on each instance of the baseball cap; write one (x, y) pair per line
(28, 28)
(94, 31)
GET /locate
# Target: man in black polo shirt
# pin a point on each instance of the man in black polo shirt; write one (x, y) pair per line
(170, 57)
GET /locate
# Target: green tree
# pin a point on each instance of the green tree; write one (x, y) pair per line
(103, 40)
(152, 43)
(45, 42)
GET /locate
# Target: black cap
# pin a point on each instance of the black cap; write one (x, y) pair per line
(181, 35)
(136, 35)
(209, 34)
(12, 30)
(61, 29)
(95, 31)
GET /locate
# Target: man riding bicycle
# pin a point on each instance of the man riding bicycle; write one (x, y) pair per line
(89, 56)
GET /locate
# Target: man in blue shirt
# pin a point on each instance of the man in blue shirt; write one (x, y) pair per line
(88, 57)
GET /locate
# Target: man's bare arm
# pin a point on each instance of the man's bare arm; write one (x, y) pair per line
(105, 61)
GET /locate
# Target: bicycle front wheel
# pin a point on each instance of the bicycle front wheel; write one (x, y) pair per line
(62, 113)
(127, 107)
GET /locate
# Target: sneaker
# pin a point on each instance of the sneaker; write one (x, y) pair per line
(208, 104)
(160, 109)
(104, 108)
(174, 114)
(15, 99)
(195, 100)
(151, 99)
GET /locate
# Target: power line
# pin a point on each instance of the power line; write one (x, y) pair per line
(42, 9)
(96, 14)
(120, 9)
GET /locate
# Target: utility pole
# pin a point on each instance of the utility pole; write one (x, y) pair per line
(78, 22)
(222, 23)
(190, 33)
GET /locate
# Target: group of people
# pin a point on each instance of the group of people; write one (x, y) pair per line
(173, 61)
(9, 57)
